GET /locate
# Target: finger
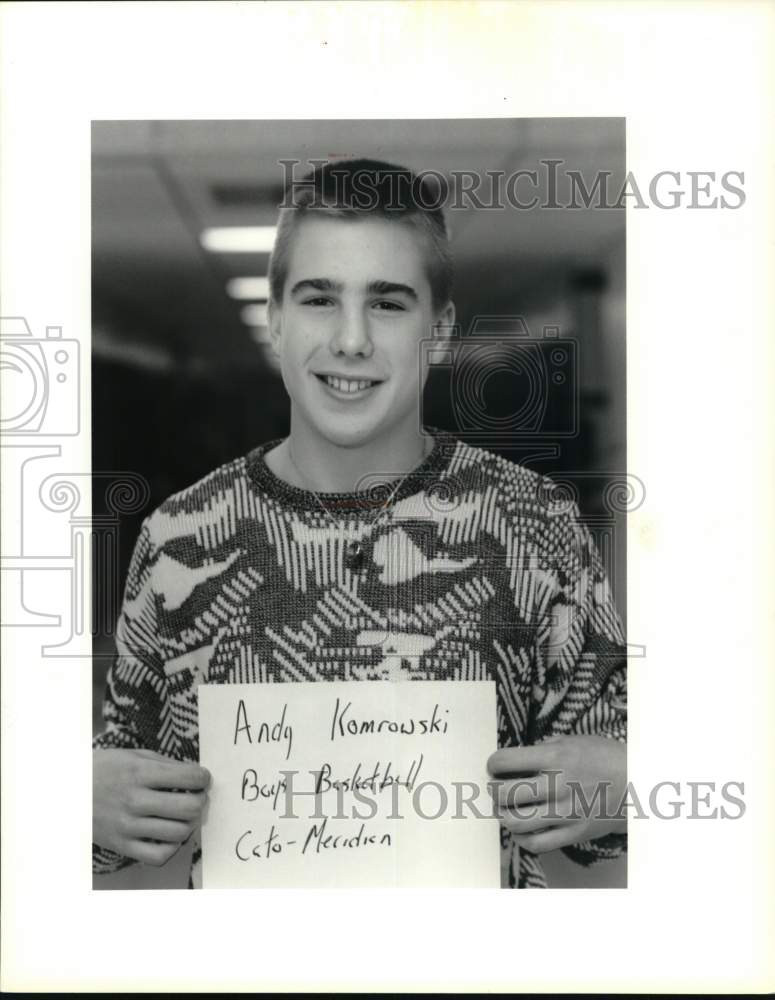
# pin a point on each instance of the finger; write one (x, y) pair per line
(523, 821)
(150, 854)
(168, 831)
(549, 840)
(151, 754)
(523, 791)
(184, 806)
(523, 760)
(187, 776)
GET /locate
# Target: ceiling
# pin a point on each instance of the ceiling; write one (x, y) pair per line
(157, 184)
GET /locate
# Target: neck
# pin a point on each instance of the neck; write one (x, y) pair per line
(315, 463)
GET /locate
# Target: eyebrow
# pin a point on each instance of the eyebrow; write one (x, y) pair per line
(391, 288)
(372, 288)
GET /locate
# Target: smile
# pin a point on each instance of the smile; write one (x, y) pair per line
(347, 387)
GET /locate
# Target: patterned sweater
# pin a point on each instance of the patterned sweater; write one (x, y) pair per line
(473, 573)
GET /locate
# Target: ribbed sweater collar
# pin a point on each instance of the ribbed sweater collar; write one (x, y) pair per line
(422, 477)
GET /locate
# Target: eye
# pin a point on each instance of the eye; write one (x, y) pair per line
(317, 300)
(384, 305)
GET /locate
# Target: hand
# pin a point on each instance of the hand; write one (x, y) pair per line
(136, 812)
(535, 790)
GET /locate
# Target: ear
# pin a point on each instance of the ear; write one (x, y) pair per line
(444, 329)
(274, 321)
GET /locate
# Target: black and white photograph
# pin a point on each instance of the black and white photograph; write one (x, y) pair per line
(372, 403)
(386, 497)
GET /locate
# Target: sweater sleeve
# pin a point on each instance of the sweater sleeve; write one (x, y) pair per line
(135, 707)
(580, 683)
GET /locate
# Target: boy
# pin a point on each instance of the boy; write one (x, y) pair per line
(365, 547)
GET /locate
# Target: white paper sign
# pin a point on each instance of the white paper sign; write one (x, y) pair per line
(349, 784)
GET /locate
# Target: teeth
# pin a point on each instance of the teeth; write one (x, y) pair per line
(348, 385)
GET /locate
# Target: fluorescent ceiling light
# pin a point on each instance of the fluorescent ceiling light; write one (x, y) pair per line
(239, 239)
(254, 314)
(248, 288)
(260, 334)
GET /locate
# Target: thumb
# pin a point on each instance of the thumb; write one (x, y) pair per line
(151, 754)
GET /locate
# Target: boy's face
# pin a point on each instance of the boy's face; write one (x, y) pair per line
(355, 306)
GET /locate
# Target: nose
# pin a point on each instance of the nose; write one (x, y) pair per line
(352, 336)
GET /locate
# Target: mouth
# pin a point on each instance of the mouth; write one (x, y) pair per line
(348, 388)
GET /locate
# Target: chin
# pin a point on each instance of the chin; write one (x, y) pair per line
(347, 432)
(344, 437)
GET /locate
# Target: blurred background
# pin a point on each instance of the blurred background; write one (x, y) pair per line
(183, 379)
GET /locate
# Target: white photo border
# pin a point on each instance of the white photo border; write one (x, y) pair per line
(694, 85)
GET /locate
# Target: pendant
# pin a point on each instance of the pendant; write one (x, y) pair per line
(354, 556)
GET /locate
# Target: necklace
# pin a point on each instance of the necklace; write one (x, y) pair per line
(354, 554)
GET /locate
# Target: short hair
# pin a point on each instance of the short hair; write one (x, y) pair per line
(362, 188)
